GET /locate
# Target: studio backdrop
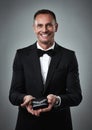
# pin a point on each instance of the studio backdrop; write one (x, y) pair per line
(75, 32)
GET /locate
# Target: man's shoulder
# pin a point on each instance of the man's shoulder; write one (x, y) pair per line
(66, 53)
(65, 49)
(27, 48)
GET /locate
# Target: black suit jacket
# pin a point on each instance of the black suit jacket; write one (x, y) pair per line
(62, 80)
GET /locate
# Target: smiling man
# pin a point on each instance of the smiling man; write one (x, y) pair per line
(45, 27)
(45, 81)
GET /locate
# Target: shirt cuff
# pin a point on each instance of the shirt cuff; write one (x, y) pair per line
(58, 102)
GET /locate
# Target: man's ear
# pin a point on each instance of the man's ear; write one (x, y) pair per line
(56, 27)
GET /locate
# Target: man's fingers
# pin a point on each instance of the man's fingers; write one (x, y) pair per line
(24, 103)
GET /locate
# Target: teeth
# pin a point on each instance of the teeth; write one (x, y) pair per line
(44, 35)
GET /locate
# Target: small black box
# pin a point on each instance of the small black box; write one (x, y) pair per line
(39, 103)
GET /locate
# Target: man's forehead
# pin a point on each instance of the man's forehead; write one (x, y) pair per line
(42, 21)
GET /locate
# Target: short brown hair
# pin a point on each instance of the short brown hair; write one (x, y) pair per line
(45, 11)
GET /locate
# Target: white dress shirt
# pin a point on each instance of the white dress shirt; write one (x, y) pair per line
(45, 62)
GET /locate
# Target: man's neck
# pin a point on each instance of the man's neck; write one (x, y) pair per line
(45, 46)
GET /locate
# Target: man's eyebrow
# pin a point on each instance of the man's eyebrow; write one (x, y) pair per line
(45, 24)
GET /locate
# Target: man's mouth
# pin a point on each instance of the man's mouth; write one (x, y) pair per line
(44, 35)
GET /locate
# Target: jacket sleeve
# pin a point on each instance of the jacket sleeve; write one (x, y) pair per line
(73, 95)
(17, 89)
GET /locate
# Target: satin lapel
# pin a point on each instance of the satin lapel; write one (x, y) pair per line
(35, 63)
(54, 62)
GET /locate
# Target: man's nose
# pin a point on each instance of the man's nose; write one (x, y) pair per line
(44, 29)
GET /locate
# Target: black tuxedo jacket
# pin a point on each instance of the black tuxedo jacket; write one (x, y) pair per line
(62, 80)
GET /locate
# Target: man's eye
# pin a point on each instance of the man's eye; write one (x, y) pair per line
(49, 25)
(39, 26)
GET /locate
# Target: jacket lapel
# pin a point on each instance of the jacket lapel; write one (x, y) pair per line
(53, 65)
(35, 63)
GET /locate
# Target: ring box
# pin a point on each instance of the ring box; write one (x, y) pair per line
(39, 103)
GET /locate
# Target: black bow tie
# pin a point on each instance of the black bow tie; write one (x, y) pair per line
(49, 52)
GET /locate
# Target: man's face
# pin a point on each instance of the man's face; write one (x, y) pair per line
(45, 28)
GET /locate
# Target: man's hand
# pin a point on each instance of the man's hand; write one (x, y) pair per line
(27, 99)
(51, 101)
(27, 103)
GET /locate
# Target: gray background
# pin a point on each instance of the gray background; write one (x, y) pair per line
(75, 32)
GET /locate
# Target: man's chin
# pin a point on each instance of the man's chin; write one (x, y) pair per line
(45, 42)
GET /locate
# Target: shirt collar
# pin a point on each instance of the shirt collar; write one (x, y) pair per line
(52, 47)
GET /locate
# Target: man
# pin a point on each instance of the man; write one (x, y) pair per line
(54, 77)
